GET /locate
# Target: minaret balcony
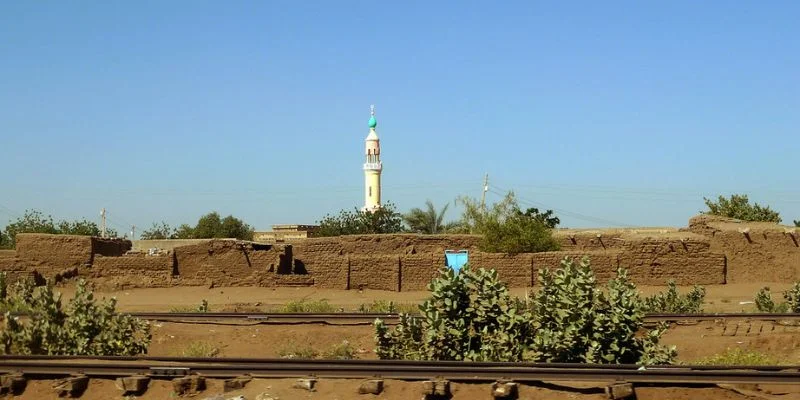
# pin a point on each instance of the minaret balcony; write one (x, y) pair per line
(373, 166)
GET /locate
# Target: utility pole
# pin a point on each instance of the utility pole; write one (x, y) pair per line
(133, 232)
(483, 195)
(103, 223)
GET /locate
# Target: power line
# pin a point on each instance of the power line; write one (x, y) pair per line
(568, 213)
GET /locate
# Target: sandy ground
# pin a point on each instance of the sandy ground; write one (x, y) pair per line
(693, 342)
(344, 389)
(719, 298)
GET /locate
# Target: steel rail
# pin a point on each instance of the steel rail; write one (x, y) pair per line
(392, 318)
(416, 370)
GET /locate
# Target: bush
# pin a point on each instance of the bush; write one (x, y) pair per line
(471, 316)
(507, 229)
(199, 350)
(83, 328)
(303, 306)
(385, 219)
(737, 356)
(388, 307)
(672, 302)
(739, 207)
(202, 308)
(340, 351)
(764, 302)
(574, 321)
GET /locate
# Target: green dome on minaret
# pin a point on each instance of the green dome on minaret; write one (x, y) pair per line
(372, 121)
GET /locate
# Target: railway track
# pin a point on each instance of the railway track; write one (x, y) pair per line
(368, 318)
(170, 367)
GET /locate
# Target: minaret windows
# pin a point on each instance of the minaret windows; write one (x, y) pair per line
(370, 191)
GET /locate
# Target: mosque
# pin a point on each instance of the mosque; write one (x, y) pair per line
(372, 190)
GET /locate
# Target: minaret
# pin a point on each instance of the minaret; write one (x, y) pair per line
(372, 167)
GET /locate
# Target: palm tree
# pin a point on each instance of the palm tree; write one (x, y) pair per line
(427, 221)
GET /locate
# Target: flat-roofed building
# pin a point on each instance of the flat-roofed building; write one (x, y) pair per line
(286, 232)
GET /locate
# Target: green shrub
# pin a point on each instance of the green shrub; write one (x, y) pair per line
(303, 306)
(294, 351)
(471, 316)
(388, 307)
(764, 302)
(737, 356)
(672, 302)
(199, 350)
(574, 321)
(83, 328)
(341, 351)
(202, 308)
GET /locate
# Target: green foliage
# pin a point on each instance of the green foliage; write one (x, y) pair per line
(385, 219)
(388, 307)
(199, 350)
(209, 226)
(796, 223)
(158, 231)
(764, 302)
(340, 351)
(82, 328)
(5, 241)
(470, 316)
(737, 356)
(34, 221)
(672, 302)
(202, 308)
(428, 221)
(739, 207)
(507, 229)
(304, 306)
(574, 321)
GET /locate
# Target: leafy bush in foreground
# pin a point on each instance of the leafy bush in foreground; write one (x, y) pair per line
(764, 302)
(672, 302)
(82, 328)
(471, 316)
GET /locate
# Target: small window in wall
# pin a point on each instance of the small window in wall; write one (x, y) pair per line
(370, 191)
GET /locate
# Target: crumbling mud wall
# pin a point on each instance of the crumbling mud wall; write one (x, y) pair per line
(134, 270)
(754, 251)
(231, 263)
(709, 251)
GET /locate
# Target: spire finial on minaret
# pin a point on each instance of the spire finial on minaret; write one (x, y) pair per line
(372, 121)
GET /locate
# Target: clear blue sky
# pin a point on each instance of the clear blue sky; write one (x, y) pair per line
(616, 112)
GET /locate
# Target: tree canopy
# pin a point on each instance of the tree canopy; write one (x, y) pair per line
(428, 221)
(738, 206)
(796, 223)
(508, 229)
(209, 226)
(385, 219)
(34, 221)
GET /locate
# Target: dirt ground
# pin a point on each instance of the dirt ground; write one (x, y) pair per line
(346, 389)
(719, 298)
(694, 342)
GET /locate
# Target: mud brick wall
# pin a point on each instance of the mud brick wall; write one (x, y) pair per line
(768, 252)
(110, 247)
(377, 272)
(323, 261)
(655, 261)
(514, 270)
(50, 254)
(761, 256)
(591, 240)
(417, 270)
(133, 270)
(227, 263)
(388, 244)
(604, 262)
